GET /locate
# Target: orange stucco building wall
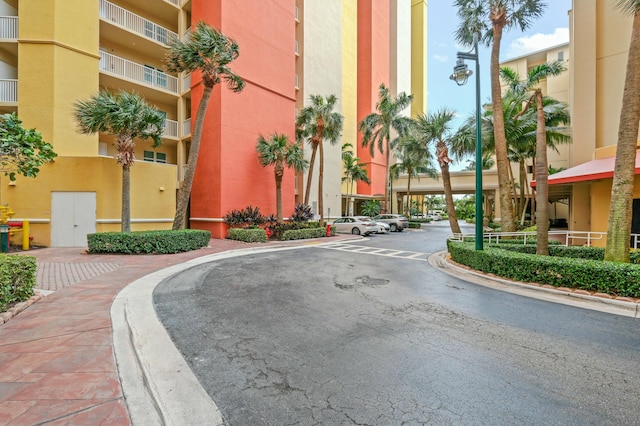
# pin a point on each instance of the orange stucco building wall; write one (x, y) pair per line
(373, 69)
(228, 174)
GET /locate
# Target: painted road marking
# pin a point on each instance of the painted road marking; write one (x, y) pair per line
(402, 254)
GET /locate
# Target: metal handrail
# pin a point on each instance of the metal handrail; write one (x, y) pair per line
(8, 90)
(142, 74)
(569, 236)
(9, 27)
(135, 23)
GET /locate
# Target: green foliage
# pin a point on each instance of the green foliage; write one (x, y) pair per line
(415, 225)
(22, 150)
(148, 242)
(300, 234)
(371, 208)
(466, 208)
(302, 213)
(619, 279)
(247, 217)
(255, 235)
(278, 229)
(17, 279)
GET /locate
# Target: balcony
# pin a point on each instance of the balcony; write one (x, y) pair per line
(8, 91)
(142, 74)
(170, 129)
(134, 23)
(186, 128)
(9, 28)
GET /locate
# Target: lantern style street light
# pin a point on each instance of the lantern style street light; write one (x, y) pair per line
(461, 73)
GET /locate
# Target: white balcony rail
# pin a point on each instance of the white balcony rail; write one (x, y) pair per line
(146, 75)
(9, 27)
(186, 127)
(135, 23)
(186, 82)
(8, 91)
(170, 129)
(186, 34)
(174, 2)
(565, 237)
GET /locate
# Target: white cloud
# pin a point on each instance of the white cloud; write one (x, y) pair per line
(536, 42)
(440, 58)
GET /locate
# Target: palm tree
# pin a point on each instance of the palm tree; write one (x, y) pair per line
(436, 128)
(209, 51)
(530, 84)
(278, 152)
(487, 163)
(128, 117)
(376, 128)
(486, 20)
(315, 123)
(354, 171)
(621, 208)
(413, 159)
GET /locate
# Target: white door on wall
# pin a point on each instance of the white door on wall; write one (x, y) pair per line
(73, 216)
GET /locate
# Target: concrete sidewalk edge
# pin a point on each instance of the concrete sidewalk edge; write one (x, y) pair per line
(611, 306)
(158, 385)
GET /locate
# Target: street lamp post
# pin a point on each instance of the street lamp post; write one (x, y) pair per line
(460, 75)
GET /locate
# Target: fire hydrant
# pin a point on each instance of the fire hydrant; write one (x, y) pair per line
(328, 229)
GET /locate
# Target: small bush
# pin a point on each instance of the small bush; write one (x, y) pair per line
(300, 234)
(278, 229)
(148, 242)
(255, 235)
(301, 213)
(415, 225)
(17, 279)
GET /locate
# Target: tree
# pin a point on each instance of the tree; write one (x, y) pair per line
(376, 128)
(531, 85)
(129, 117)
(279, 153)
(353, 171)
(486, 20)
(22, 151)
(315, 123)
(487, 163)
(413, 159)
(621, 207)
(436, 128)
(209, 51)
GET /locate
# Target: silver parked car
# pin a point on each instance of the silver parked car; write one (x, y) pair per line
(353, 225)
(396, 222)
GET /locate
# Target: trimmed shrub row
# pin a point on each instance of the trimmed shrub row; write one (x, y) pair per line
(574, 252)
(301, 234)
(17, 279)
(148, 242)
(250, 235)
(619, 279)
(415, 225)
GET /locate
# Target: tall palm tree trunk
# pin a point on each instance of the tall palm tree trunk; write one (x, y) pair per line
(307, 192)
(621, 208)
(448, 195)
(279, 172)
(522, 177)
(126, 198)
(542, 187)
(387, 195)
(410, 172)
(320, 179)
(504, 183)
(179, 222)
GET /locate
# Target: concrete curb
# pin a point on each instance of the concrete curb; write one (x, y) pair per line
(158, 385)
(585, 301)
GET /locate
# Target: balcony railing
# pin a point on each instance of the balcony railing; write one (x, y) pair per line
(170, 129)
(143, 74)
(8, 91)
(174, 2)
(135, 23)
(186, 127)
(186, 82)
(9, 27)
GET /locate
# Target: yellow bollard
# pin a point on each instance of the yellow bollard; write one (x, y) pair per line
(25, 235)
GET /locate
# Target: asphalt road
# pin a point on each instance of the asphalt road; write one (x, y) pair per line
(361, 333)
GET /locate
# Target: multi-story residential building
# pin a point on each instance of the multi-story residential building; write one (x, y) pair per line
(600, 35)
(53, 54)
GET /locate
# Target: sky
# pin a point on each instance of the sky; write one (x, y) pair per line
(550, 30)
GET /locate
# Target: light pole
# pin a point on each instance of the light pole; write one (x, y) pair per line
(460, 75)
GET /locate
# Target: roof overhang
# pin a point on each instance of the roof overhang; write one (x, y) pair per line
(591, 170)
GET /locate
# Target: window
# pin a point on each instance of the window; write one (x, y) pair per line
(148, 73)
(149, 29)
(561, 55)
(155, 157)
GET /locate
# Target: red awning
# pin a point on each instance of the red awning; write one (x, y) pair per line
(591, 170)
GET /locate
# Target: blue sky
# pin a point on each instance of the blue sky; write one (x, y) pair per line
(550, 30)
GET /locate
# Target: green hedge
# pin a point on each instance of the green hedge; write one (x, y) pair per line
(415, 225)
(17, 279)
(301, 234)
(148, 242)
(620, 279)
(252, 235)
(574, 252)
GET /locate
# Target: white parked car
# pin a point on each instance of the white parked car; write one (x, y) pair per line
(383, 228)
(355, 226)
